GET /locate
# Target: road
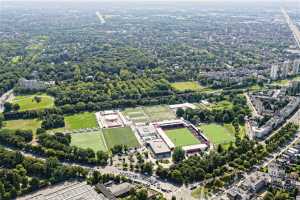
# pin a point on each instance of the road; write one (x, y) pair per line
(153, 182)
(292, 26)
(267, 161)
(5, 97)
(249, 102)
(295, 118)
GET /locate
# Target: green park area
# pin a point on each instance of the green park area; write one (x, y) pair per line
(34, 102)
(218, 134)
(186, 85)
(120, 136)
(23, 124)
(80, 121)
(93, 140)
(181, 137)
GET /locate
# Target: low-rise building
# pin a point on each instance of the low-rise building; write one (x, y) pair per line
(159, 148)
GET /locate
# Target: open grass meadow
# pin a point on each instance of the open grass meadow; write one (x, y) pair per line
(28, 102)
(182, 137)
(120, 136)
(186, 85)
(93, 140)
(217, 133)
(23, 124)
(81, 120)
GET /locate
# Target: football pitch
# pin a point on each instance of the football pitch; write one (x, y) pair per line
(93, 140)
(181, 137)
(217, 134)
(120, 136)
(150, 113)
(28, 102)
(81, 120)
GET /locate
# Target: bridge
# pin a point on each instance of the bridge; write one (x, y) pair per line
(292, 26)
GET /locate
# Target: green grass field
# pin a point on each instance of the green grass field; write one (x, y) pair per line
(159, 113)
(28, 103)
(218, 134)
(187, 85)
(149, 113)
(120, 136)
(82, 120)
(221, 105)
(93, 140)
(182, 137)
(137, 115)
(27, 124)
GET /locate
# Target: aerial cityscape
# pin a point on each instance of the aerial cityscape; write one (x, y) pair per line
(149, 100)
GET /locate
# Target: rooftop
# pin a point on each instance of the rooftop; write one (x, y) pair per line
(159, 146)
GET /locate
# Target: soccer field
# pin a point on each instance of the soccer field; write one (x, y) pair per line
(159, 113)
(217, 134)
(150, 113)
(187, 85)
(82, 120)
(120, 136)
(29, 103)
(181, 137)
(23, 124)
(93, 140)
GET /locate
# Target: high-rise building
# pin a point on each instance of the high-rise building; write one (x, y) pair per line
(296, 66)
(285, 69)
(274, 72)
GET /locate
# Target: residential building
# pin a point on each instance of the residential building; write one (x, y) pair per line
(274, 71)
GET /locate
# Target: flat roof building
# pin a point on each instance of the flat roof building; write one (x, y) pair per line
(159, 148)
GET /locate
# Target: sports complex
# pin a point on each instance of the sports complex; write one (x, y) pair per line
(154, 127)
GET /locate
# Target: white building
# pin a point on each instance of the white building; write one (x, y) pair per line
(274, 72)
(296, 66)
(285, 68)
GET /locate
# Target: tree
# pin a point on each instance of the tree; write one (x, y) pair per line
(178, 154)
(16, 107)
(1, 120)
(102, 157)
(7, 107)
(147, 168)
(179, 112)
(37, 99)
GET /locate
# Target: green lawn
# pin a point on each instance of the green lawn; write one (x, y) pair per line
(81, 120)
(284, 82)
(221, 105)
(27, 124)
(149, 113)
(159, 113)
(218, 134)
(120, 136)
(186, 85)
(182, 137)
(93, 140)
(28, 103)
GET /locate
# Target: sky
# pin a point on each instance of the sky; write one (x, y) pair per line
(160, 0)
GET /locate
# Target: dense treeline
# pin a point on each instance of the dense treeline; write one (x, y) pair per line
(57, 145)
(242, 156)
(221, 115)
(53, 121)
(90, 106)
(20, 175)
